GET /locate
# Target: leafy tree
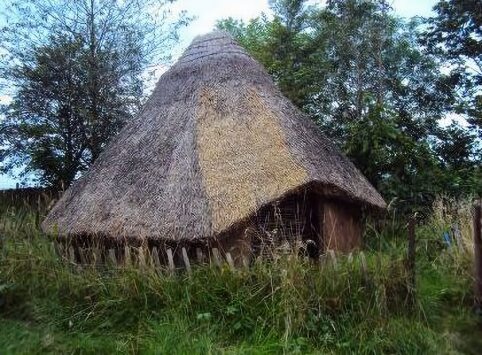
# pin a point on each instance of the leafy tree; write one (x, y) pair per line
(283, 46)
(459, 154)
(45, 120)
(454, 35)
(75, 70)
(359, 72)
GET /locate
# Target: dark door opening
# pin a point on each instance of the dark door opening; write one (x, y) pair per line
(294, 219)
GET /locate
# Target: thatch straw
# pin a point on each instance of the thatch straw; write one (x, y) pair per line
(215, 142)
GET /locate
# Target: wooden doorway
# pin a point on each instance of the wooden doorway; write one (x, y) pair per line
(293, 219)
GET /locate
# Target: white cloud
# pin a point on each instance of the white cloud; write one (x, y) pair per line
(208, 12)
(5, 99)
(410, 8)
(454, 118)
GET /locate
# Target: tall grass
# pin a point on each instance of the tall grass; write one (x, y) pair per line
(289, 304)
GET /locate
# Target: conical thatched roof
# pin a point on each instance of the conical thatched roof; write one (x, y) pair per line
(215, 141)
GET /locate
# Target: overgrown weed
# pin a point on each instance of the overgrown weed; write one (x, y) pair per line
(289, 304)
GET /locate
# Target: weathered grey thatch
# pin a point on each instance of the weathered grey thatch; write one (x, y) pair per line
(215, 141)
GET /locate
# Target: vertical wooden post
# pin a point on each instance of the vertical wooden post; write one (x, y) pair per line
(230, 261)
(216, 256)
(83, 257)
(170, 259)
(411, 254)
(112, 258)
(71, 254)
(97, 255)
(478, 253)
(245, 261)
(199, 255)
(186, 260)
(56, 246)
(333, 258)
(127, 255)
(155, 257)
(141, 257)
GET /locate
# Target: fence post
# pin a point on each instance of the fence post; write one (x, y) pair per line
(216, 257)
(83, 258)
(170, 260)
(199, 255)
(185, 257)
(245, 261)
(411, 255)
(112, 257)
(155, 257)
(478, 254)
(141, 257)
(127, 255)
(71, 254)
(230, 261)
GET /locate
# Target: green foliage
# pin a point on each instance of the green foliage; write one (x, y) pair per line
(289, 305)
(402, 168)
(76, 72)
(359, 72)
(454, 35)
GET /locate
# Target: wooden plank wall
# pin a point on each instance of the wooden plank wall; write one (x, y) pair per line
(342, 229)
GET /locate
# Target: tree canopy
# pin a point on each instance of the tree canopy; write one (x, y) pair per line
(76, 71)
(382, 87)
(454, 36)
(361, 74)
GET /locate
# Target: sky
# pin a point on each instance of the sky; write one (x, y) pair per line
(207, 12)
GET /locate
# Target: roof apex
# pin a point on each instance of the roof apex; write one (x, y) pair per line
(211, 44)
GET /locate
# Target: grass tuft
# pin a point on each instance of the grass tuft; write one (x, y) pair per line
(289, 304)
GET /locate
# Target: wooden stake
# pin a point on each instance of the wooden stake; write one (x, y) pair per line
(245, 261)
(71, 252)
(112, 257)
(199, 255)
(155, 257)
(83, 258)
(55, 247)
(97, 256)
(230, 261)
(478, 253)
(186, 260)
(170, 259)
(127, 255)
(141, 255)
(216, 257)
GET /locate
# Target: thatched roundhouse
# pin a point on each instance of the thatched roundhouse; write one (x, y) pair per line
(218, 156)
